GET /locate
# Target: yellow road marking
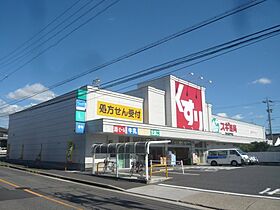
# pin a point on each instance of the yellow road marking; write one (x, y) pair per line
(51, 199)
(8, 183)
(40, 195)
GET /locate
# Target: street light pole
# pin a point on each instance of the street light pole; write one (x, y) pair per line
(269, 111)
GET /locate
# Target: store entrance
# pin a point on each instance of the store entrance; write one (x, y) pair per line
(156, 152)
(182, 153)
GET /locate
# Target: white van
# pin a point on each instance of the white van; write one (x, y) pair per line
(231, 156)
(3, 151)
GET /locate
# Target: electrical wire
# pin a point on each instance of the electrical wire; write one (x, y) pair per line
(188, 58)
(154, 44)
(129, 78)
(54, 35)
(40, 31)
(59, 40)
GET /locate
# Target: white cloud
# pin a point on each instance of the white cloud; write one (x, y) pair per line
(237, 117)
(222, 114)
(7, 109)
(262, 81)
(30, 90)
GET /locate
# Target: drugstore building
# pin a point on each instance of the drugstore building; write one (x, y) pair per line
(168, 108)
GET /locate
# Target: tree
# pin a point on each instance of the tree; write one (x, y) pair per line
(254, 147)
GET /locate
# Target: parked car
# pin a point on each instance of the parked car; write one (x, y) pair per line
(232, 156)
(3, 151)
(253, 160)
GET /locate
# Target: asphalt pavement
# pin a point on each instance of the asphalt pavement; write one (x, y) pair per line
(247, 180)
(222, 187)
(23, 190)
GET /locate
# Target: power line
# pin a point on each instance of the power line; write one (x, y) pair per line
(178, 61)
(39, 32)
(237, 105)
(161, 41)
(191, 57)
(54, 35)
(172, 63)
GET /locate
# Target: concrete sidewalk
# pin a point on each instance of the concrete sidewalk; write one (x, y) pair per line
(192, 197)
(207, 199)
(80, 177)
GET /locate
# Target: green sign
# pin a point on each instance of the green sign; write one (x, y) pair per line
(215, 125)
(155, 132)
(80, 116)
(82, 94)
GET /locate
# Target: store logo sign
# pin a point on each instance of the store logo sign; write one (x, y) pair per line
(215, 125)
(80, 105)
(144, 132)
(119, 111)
(119, 129)
(228, 127)
(80, 116)
(80, 127)
(188, 107)
(155, 132)
(82, 94)
(132, 130)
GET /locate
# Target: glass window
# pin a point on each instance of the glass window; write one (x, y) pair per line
(232, 152)
(222, 153)
(212, 153)
(241, 152)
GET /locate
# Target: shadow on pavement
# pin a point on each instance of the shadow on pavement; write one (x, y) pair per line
(98, 202)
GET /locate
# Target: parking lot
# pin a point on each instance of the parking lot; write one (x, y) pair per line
(252, 180)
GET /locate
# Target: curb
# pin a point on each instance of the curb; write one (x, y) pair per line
(179, 201)
(97, 184)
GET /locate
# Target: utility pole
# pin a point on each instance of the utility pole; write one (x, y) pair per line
(269, 111)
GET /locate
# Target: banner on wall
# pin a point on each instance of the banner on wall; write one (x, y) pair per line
(119, 111)
(121, 129)
(80, 114)
(188, 107)
(223, 127)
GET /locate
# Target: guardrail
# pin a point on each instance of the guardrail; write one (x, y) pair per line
(153, 166)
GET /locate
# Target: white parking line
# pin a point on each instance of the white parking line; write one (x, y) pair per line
(184, 173)
(266, 191)
(219, 192)
(206, 168)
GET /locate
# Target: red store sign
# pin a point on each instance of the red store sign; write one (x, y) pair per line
(228, 127)
(188, 107)
(118, 129)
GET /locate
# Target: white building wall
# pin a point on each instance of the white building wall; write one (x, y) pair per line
(243, 129)
(96, 95)
(142, 93)
(154, 104)
(165, 85)
(209, 117)
(204, 110)
(51, 127)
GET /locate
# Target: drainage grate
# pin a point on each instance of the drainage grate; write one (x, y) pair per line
(22, 188)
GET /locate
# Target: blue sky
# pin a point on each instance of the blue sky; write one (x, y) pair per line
(244, 77)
